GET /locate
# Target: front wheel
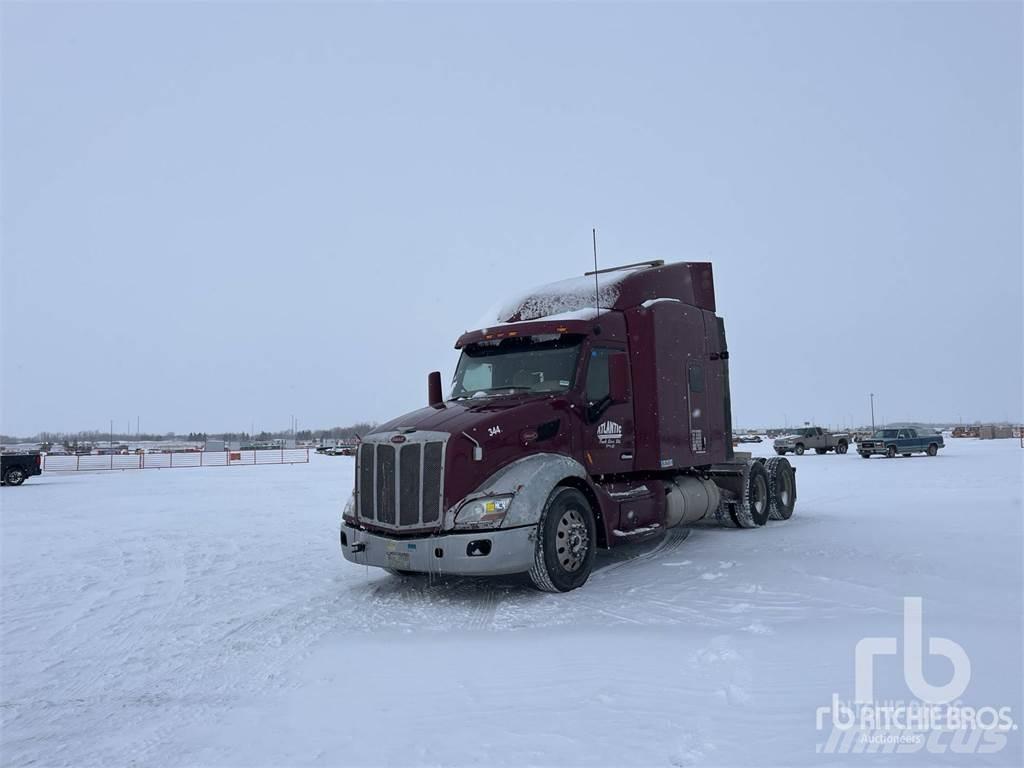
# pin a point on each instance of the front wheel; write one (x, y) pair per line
(890, 452)
(865, 455)
(799, 450)
(14, 476)
(933, 449)
(780, 451)
(566, 542)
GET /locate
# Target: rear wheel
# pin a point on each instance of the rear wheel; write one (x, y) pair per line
(15, 476)
(781, 488)
(890, 452)
(799, 450)
(755, 503)
(566, 542)
(842, 448)
(933, 449)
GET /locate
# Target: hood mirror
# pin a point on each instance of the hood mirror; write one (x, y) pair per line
(434, 397)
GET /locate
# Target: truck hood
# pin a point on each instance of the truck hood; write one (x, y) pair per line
(471, 415)
(507, 428)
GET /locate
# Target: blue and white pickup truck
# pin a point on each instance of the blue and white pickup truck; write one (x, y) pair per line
(903, 441)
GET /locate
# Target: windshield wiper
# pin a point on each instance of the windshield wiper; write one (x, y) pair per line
(468, 396)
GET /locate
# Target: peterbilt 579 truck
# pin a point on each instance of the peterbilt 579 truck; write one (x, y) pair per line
(592, 412)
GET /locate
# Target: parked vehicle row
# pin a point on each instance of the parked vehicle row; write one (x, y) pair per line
(902, 441)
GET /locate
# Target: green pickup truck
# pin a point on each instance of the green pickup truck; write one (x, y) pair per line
(903, 441)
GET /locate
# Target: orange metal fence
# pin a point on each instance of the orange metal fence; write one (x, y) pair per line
(175, 460)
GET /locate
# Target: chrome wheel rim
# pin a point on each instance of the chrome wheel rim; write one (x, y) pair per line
(572, 540)
(14, 476)
(759, 496)
(785, 489)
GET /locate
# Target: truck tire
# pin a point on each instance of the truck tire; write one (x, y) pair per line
(14, 476)
(752, 510)
(933, 449)
(781, 488)
(842, 447)
(890, 452)
(821, 451)
(780, 451)
(865, 455)
(566, 542)
(799, 450)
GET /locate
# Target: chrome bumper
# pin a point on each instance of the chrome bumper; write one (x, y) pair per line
(507, 551)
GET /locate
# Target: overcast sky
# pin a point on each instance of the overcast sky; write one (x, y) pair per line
(216, 215)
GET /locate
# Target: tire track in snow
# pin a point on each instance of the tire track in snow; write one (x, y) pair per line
(631, 554)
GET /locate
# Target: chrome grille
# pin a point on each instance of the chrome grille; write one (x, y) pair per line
(400, 485)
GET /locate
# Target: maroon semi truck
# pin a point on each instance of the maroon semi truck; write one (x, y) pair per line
(593, 412)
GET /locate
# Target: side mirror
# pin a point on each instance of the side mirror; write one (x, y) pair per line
(434, 397)
(618, 379)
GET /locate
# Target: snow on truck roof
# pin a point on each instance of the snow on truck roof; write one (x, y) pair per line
(617, 289)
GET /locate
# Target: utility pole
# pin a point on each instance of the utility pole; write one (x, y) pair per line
(872, 413)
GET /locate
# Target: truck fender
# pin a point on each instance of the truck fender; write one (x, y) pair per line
(531, 480)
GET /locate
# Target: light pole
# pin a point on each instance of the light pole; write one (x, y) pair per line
(872, 413)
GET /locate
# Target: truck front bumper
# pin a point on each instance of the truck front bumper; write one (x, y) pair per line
(874, 449)
(476, 553)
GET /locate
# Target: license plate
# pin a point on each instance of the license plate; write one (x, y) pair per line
(398, 560)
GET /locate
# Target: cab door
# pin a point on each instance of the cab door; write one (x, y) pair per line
(902, 441)
(608, 431)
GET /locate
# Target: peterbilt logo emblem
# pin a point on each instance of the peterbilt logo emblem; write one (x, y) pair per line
(609, 434)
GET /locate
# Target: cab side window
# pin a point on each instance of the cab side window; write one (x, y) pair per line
(597, 374)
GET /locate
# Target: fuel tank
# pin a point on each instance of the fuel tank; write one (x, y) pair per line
(689, 499)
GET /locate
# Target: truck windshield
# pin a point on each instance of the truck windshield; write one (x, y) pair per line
(544, 363)
(886, 433)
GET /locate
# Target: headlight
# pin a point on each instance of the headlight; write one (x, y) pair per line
(488, 512)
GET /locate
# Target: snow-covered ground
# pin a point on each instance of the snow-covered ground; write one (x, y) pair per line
(205, 617)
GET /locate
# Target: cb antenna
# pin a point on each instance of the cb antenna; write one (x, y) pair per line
(597, 290)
